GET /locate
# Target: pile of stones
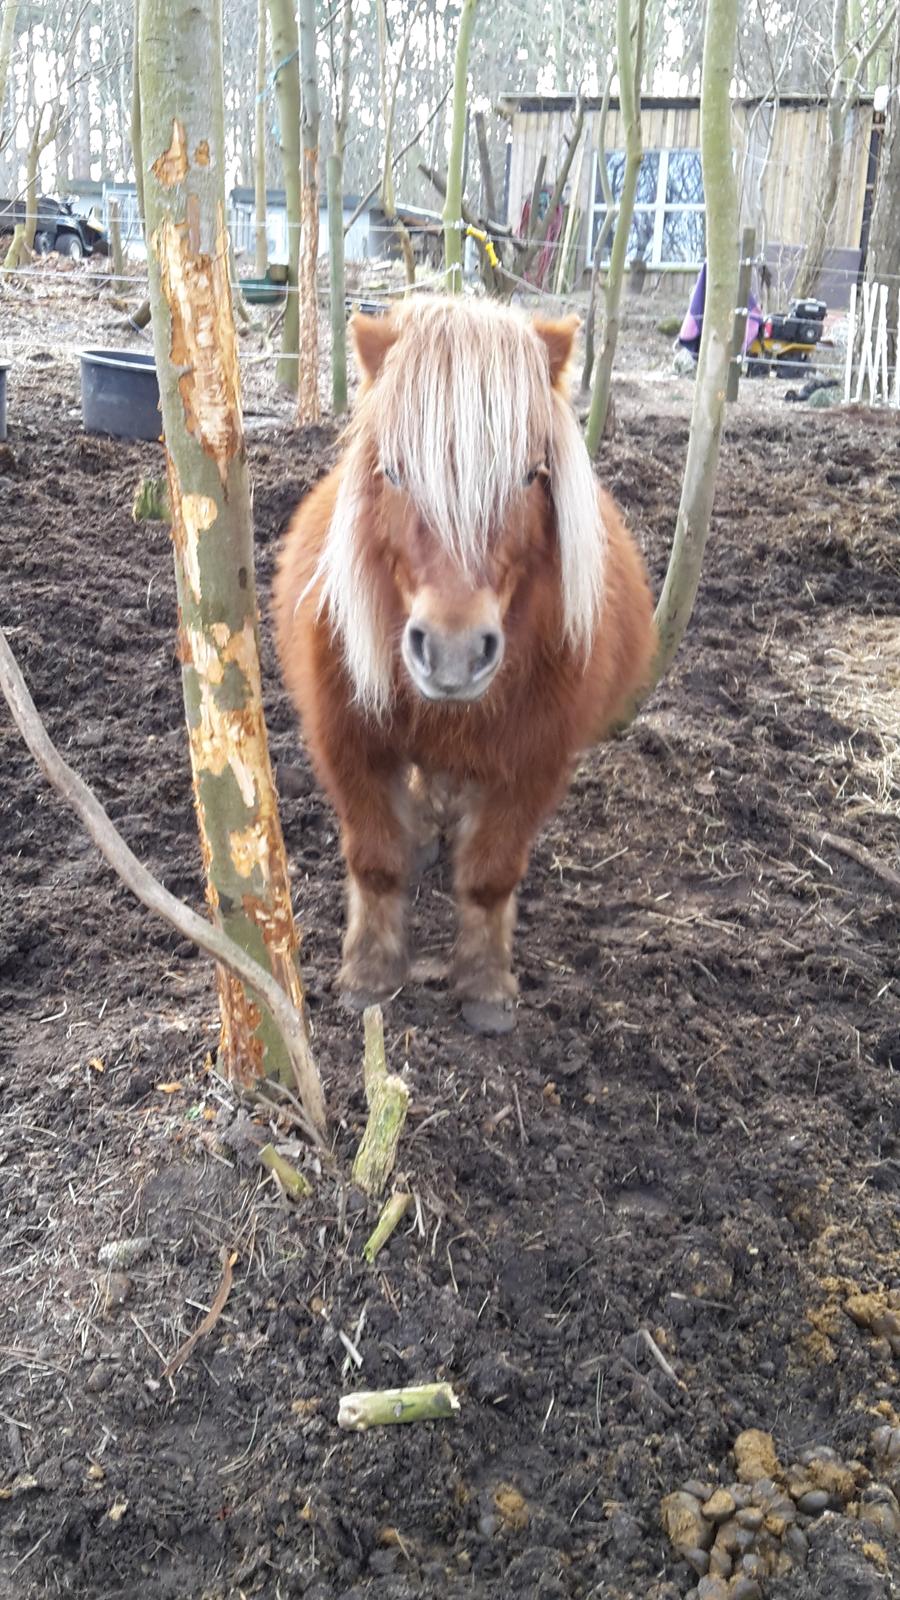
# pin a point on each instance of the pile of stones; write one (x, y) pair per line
(737, 1535)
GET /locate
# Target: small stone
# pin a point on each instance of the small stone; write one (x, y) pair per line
(123, 1252)
(745, 1540)
(813, 1503)
(741, 1494)
(701, 1491)
(752, 1565)
(756, 1456)
(886, 1444)
(750, 1517)
(487, 1526)
(719, 1507)
(879, 1510)
(116, 1290)
(684, 1522)
(745, 1589)
(719, 1562)
(727, 1536)
(712, 1589)
(698, 1559)
(99, 1378)
(797, 1546)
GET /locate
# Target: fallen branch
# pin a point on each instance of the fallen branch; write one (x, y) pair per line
(388, 1100)
(156, 898)
(211, 1318)
(292, 1181)
(375, 1408)
(392, 1214)
(864, 857)
(396, 160)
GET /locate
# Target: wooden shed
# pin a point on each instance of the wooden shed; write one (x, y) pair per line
(779, 160)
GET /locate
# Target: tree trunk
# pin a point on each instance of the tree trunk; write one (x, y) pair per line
(259, 154)
(308, 377)
(335, 190)
(137, 143)
(629, 52)
(7, 40)
(825, 203)
(285, 52)
(538, 231)
(119, 282)
(196, 357)
(453, 204)
(484, 162)
(883, 254)
(692, 527)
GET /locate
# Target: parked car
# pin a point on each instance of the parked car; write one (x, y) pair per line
(59, 227)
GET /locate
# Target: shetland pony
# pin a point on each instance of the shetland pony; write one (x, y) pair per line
(460, 611)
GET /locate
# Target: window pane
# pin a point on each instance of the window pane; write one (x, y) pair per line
(640, 237)
(648, 177)
(685, 178)
(684, 236)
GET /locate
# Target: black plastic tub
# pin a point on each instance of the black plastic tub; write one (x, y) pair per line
(120, 394)
(4, 368)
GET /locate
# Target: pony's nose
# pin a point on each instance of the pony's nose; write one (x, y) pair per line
(452, 666)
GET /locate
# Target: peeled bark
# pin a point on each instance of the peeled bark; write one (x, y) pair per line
(261, 262)
(629, 50)
(209, 495)
(308, 376)
(285, 53)
(692, 527)
(453, 203)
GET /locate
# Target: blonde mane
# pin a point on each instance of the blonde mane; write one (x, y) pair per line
(461, 411)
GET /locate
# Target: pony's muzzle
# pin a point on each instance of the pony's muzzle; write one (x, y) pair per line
(451, 665)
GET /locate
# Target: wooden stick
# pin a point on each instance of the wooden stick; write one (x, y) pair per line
(392, 1214)
(292, 1181)
(388, 1100)
(212, 941)
(211, 1318)
(864, 857)
(376, 1408)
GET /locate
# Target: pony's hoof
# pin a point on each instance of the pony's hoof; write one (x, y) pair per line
(359, 999)
(489, 1016)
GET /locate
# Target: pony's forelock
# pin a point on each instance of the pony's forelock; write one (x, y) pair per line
(461, 411)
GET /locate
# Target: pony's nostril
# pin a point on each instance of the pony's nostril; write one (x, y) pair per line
(417, 640)
(487, 655)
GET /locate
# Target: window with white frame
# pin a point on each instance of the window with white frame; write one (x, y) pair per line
(669, 224)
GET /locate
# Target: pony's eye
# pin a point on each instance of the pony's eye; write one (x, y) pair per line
(391, 474)
(534, 473)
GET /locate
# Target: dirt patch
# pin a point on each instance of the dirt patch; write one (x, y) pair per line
(693, 1131)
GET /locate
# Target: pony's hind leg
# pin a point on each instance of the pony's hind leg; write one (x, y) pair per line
(376, 839)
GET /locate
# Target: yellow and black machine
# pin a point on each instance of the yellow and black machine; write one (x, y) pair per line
(785, 344)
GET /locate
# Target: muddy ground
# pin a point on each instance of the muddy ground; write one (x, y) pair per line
(694, 1130)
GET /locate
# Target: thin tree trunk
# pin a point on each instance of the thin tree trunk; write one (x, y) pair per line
(285, 53)
(7, 40)
(590, 329)
(883, 254)
(538, 231)
(335, 188)
(259, 152)
(137, 143)
(388, 113)
(196, 357)
(119, 283)
(308, 377)
(453, 204)
(692, 527)
(629, 51)
(484, 161)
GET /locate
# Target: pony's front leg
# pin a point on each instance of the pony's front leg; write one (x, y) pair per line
(376, 842)
(493, 845)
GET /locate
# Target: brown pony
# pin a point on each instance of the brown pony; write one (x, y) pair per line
(460, 612)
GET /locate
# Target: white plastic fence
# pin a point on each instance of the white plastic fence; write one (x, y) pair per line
(872, 371)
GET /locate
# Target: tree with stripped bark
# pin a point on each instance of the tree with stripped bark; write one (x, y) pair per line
(182, 119)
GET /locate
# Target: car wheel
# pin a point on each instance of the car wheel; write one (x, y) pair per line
(43, 243)
(70, 245)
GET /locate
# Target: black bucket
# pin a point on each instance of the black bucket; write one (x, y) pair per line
(120, 394)
(4, 368)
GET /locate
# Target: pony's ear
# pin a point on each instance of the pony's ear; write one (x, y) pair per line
(559, 338)
(373, 337)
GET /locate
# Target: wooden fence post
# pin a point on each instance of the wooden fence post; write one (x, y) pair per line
(748, 252)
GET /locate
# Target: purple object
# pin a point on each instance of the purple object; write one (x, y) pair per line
(692, 326)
